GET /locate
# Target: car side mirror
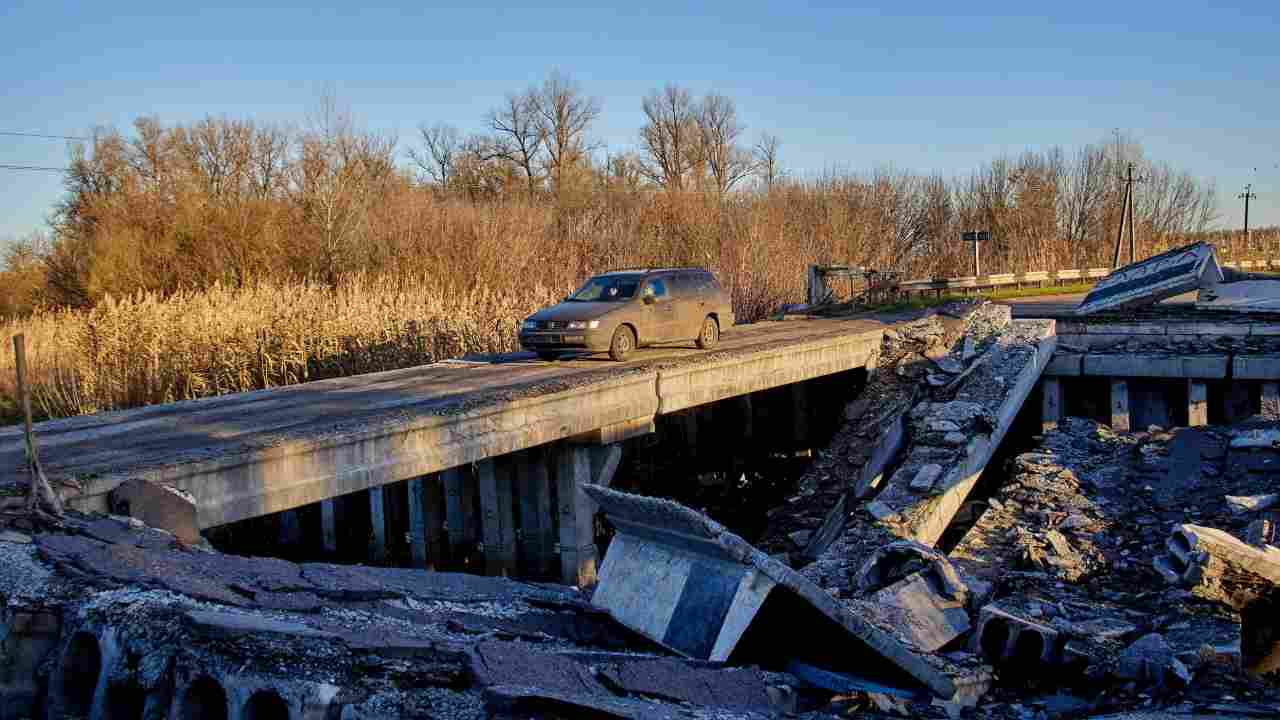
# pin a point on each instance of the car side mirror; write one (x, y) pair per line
(650, 299)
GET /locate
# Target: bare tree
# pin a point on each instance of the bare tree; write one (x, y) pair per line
(438, 157)
(719, 130)
(766, 159)
(337, 177)
(669, 138)
(565, 115)
(521, 136)
(271, 159)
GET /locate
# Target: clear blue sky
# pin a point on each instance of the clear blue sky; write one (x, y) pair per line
(923, 86)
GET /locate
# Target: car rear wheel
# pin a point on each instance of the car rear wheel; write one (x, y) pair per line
(623, 342)
(710, 334)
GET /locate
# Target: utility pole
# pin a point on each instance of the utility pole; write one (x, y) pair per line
(1246, 196)
(1126, 216)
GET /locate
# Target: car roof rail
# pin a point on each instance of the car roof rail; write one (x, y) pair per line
(656, 269)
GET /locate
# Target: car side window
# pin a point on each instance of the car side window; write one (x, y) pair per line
(656, 287)
(685, 285)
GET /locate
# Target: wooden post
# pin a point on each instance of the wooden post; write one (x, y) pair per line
(328, 526)
(1119, 405)
(1051, 403)
(41, 495)
(1197, 403)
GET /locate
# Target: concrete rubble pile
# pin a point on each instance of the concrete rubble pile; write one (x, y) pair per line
(105, 618)
(928, 353)
(1077, 545)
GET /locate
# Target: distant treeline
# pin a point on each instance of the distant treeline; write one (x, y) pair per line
(533, 198)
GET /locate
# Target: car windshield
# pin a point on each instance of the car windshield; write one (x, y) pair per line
(607, 288)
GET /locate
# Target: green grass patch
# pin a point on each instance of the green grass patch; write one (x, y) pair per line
(922, 300)
(1010, 293)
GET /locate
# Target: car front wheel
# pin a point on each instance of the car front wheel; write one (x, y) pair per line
(623, 342)
(710, 334)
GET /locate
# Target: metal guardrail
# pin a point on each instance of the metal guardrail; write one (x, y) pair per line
(818, 274)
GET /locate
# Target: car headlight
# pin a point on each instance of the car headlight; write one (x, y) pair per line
(583, 324)
(529, 325)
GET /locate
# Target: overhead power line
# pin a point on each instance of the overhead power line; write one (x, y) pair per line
(7, 166)
(11, 133)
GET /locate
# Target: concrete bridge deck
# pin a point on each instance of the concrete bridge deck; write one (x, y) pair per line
(250, 454)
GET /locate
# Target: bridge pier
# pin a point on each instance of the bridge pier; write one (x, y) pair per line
(800, 414)
(1197, 403)
(460, 514)
(1119, 405)
(1050, 403)
(378, 517)
(577, 465)
(426, 521)
(497, 516)
(746, 416)
(537, 514)
(290, 528)
(329, 526)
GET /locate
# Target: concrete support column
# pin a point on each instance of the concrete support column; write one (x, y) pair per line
(460, 514)
(1197, 403)
(1236, 402)
(689, 426)
(537, 515)
(328, 526)
(1051, 403)
(746, 414)
(1119, 405)
(426, 521)
(577, 465)
(378, 518)
(1270, 401)
(800, 412)
(497, 517)
(290, 528)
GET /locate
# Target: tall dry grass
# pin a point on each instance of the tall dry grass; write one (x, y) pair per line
(146, 349)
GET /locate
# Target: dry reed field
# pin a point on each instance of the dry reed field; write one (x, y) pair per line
(145, 349)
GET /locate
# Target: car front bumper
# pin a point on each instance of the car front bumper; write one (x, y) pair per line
(564, 339)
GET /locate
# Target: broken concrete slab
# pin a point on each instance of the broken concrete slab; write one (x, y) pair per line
(685, 581)
(1252, 503)
(915, 608)
(223, 625)
(1158, 277)
(1218, 566)
(923, 516)
(1259, 296)
(158, 506)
